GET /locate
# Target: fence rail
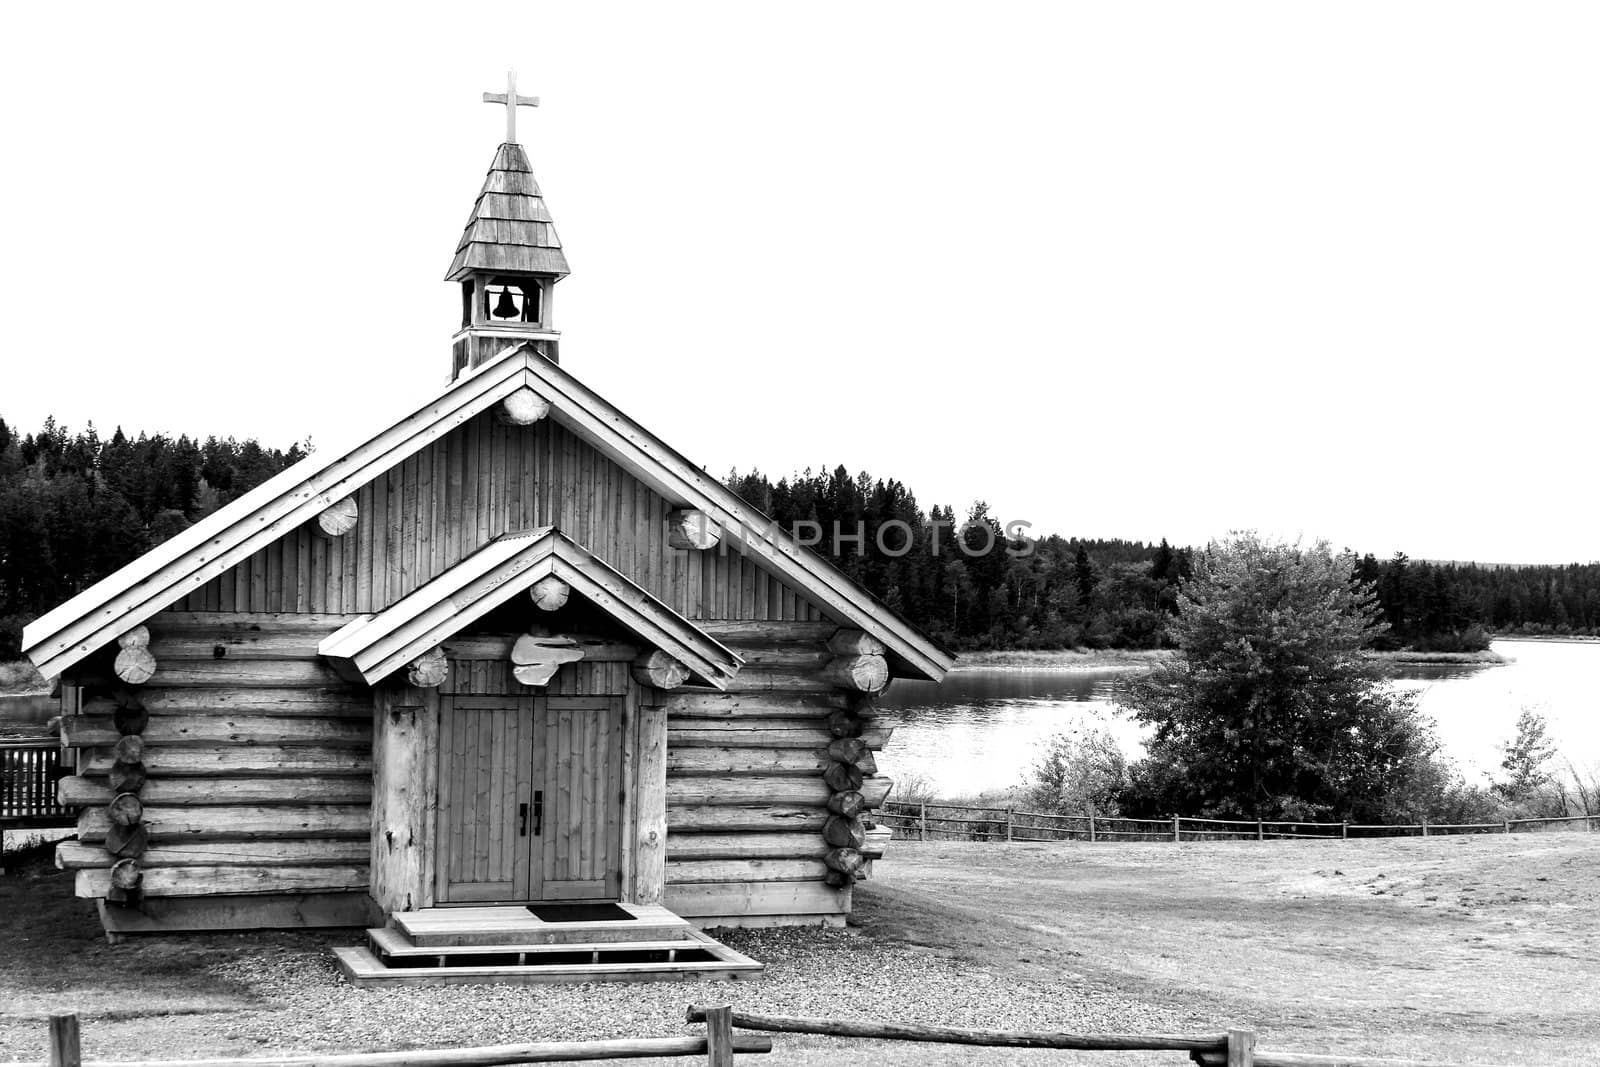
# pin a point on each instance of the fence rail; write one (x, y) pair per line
(977, 823)
(29, 770)
(1235, 1048)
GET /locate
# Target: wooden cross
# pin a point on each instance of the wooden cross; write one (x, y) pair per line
(512, 101)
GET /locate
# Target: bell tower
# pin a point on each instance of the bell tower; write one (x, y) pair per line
(509, 258)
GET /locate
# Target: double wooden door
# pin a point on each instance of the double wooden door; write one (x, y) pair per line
(530, 799)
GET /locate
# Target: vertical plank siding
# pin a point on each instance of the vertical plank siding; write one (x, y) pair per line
(429, 512)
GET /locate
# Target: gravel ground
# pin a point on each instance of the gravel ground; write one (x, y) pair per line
(306, 1007)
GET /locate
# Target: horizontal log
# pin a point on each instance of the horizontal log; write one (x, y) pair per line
(550, 593)
(247, 621)
(877, 844)
(747, 790)
(808, 658)
(138, 637)
(230, 673)
(753, 760)
(689, 818)
(768, 679)
(702, 704)
(658, 670)
(522, 408)
(875, 791)
(196, 823)
(855, 643)
(75, 855)
(950, 1035)
(498, 647)
(429, 670)
(733, 631)
(709, 900)
(210, 881)
(234, 644)
(763, 733)
(78, 791)
(213, 760)
(683, 872)
(868, 674)
(226, 727)
(83, 731)
(803, 845)
(332, 702)
(135, 665)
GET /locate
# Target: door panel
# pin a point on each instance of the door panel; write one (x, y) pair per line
(578, 857)
(484, 747)
(530, 799)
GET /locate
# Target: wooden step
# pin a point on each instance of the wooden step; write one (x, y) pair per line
(510, 925)
(388, 942)
(361, 967)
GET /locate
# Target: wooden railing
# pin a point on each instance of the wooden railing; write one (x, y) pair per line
(718, 1045)
(922, 820)
(29, 770)
(1234, 1048)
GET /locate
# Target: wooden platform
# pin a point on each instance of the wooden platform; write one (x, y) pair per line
(511, 945)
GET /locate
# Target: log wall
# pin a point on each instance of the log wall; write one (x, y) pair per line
(482, 480)
(257, 762)
(746, 802)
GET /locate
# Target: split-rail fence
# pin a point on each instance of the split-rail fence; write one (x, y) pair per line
(1235, 1047)
(933, 821)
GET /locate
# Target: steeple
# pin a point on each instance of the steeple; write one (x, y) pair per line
(509, 258)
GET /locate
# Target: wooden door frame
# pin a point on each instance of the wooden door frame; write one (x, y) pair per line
(405, 796)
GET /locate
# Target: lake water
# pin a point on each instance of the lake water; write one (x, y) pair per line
(982, 731)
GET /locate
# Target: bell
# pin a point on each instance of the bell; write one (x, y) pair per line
(505, 307)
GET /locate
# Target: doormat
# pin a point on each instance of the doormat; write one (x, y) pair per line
(578, 913)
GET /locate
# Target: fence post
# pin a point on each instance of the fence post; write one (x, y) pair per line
(719, 1036)
(65, 1050)
(1241, 1048)
(1424, 827)
(1091, 828)
(1008, 824)
(1506, 828)
(1261, 831)
(1177, 834)
(922, 821)
(1344, 830)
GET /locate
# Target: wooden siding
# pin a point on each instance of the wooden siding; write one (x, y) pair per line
(260, 765)
(745, 796)
(484, 479)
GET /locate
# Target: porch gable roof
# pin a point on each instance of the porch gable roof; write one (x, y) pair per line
(372, 647)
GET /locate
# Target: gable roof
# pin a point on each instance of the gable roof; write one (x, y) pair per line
(374, 646)
(165, 574)
(510, 228)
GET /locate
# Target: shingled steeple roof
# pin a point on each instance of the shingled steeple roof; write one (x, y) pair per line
(510, 229)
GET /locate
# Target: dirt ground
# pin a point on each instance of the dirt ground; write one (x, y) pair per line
(1477, 950)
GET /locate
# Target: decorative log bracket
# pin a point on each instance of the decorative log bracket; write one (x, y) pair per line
(339, 518)
(858, 662)
(550, 593)
(429, 670)
(522, 408)
(656, 668)
(692, 530)
(535, 658)
(135, 663)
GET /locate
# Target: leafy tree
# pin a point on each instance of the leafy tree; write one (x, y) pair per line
(1526, 759)
(1083, 772)
(1270, 710)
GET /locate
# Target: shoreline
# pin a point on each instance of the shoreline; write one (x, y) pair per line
(1068, 660)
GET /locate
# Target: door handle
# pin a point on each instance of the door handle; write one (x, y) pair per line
(538, 812)
(522, 812)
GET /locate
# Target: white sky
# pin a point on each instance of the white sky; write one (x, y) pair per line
(1133, 270)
